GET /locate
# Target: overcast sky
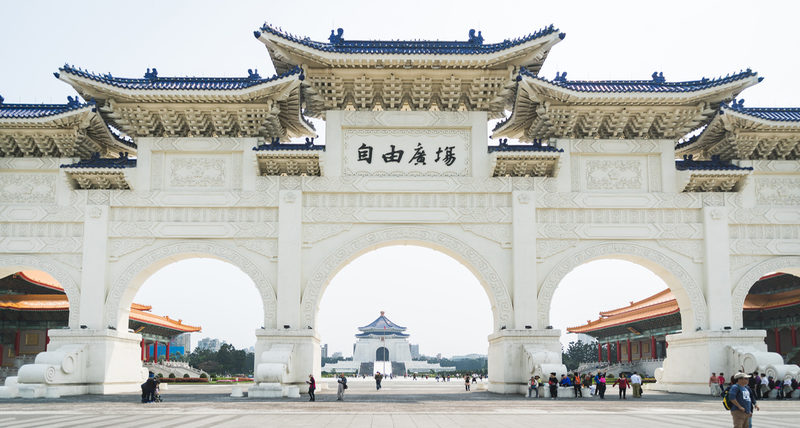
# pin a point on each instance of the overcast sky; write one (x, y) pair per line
(443, 306)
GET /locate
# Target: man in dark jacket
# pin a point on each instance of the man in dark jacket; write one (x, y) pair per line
(553, 384)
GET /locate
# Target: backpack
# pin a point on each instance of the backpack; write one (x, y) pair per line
(726, 401)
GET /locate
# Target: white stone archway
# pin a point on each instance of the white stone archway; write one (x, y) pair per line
(787, 264)
(10, 264)
(502, 308)
(686, 290)
(128, 283)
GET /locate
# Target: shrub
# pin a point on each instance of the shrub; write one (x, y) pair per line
(172, 376)
(186, 375)
(203, 376)
(185, 380)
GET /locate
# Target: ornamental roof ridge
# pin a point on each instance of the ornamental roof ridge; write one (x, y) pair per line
(152, 80)
(535, 146)
(714, 164)
(657, 84)
(778, 114)
(33, 110)
(276, 145)
(97, 162)
(474, 45)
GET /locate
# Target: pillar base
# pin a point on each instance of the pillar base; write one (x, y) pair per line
(82, 361)
(306, 355)
(515, 354)
(692, 357)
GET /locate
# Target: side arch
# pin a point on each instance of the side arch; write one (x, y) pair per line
(12, 264)
(787, 264)
(690, 297)
(122, 292)
(502, 309)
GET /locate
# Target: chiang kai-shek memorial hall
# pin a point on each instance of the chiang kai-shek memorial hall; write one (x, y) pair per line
(136, 173)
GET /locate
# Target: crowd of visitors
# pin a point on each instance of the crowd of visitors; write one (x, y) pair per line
(594, 383)
(763, 386)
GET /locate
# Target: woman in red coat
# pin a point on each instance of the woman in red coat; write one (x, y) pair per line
(623, 383)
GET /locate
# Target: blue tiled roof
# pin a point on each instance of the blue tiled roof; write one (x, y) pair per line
(153, 81)
(535, 147)
(382, 323)
(473, 46)
(778, 114)
(122, 138)
(715, 164)
(382, 333)
(656, 84)
(97, 162)
(277, 145)
(33, 111)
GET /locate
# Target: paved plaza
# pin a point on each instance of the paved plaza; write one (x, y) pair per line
(400, 403)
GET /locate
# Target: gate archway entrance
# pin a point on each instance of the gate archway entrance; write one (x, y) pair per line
(590, 172)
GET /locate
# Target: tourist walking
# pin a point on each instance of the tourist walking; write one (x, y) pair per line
(312, 386)
(601, 385)
(341, 387)
(378, 379)
(742, 401)
(622, 381)
(713, 385)
(636, 385)
(597, 383)
(466, 382)
(533, 387)
(576, 383)
(553, 384)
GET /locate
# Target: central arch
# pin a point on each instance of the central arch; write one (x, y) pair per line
(502, 309)
(382, 354)
(127, 284)
(690, 298)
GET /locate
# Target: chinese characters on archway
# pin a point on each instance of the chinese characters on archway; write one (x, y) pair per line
(442, 154)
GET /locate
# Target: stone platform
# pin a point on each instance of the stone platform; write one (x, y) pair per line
(401, 403)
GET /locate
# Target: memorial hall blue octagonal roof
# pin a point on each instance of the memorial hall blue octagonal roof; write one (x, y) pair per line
(473, 46)
(381, 326)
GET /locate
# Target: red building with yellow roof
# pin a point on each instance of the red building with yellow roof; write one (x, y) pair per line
(638, 331)
(33, 302)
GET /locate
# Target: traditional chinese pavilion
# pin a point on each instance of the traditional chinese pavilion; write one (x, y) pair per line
(33, 302)
(638, 331)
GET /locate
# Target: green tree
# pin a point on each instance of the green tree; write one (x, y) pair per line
(579, 352)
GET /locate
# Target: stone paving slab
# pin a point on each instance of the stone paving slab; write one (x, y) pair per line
(398, 404)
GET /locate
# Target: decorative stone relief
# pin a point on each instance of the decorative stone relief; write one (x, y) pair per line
(313, 233)
(620, 231)
(189, 215)
(617, 216)
(691, 249)
(388, 119)
(614, 146)
(201, 144)
(64, 277)
(502, 308)
(41, 230)
(774, 264)
(41, 213)
(114, 304)
(499, 233)
(27, 188)
(197, 172)
(265, 247)
(627, 200)
(547, 248)
(608, 174)
(654, 173)
(29, 163)
(567, 264)
(764, 231)
(40, 245)
(442, 184)
(97, 197)
(778, 191)
(121, 247)
(192, 230)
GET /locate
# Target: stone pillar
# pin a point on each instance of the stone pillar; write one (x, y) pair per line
(717, 267)
(608, 352)
(524, 259)
(94, 267)
(147, 353)
(619, 353)
(166, 356)
(653, 348)
(777, 340)
(514, 355)
(155, 351)
(290, 211)
(628, 350)
(16, 343)
(142, 345)
(599, 352)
